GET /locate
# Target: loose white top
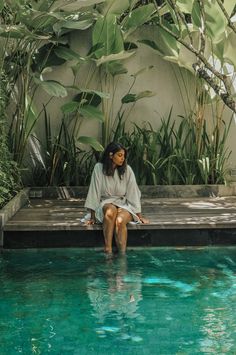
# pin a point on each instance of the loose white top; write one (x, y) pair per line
(122, 192)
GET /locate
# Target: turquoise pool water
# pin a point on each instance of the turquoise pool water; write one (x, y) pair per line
(153, 301)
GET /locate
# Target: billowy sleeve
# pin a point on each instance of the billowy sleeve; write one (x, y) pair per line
(133, 194)
(94, 193)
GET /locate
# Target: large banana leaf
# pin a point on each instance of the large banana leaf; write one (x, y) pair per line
(138, 17)
(107, 32)
(164, 43)
(185, 6)
(215, 21)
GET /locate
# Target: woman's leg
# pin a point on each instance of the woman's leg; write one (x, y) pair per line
(110, 214)
(123, 217)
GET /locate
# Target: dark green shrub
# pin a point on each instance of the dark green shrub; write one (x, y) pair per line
(9, 173)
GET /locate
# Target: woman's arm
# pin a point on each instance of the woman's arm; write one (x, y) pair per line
(142, 219)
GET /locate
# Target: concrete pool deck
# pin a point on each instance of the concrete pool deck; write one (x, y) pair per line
(56, 222)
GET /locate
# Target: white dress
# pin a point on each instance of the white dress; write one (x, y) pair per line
(122, 192)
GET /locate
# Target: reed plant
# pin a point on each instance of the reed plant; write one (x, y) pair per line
(59, 161)
(177, 154)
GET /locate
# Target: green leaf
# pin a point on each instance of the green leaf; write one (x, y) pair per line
(39, 20)
(67, 53)
(167, 44)
(116, 68)
(229, 5)
(114, 7)
(92, 142)
(88, 98)
(135, 97)
(70, 107)
(196, 15)
(20, 31)
(107, 32)
(130, 45)
(46, 57)
(128, 98)
(104, 95)
(153, 45)
(73, 25)
(215, 20)
(91, 112)
(53, 88)
(185, 6)
(145, 93)
(113, 57)
(72, 6)
(229, 49)
(219, 47)
(138, 16)
(31, 116)
(92, 92)
(141, 71)
(1, 5)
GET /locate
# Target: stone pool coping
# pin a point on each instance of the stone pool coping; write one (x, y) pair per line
(10, 209)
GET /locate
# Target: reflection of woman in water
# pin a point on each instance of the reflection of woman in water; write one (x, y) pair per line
(114, 197)
(110, 294)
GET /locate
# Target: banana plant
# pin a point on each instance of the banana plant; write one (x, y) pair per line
(200, 36)
(112, 47)
(29, 38)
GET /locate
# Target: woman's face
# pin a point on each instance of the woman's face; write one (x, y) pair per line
(118, 158)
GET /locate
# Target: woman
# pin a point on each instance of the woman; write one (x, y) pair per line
(114, 197)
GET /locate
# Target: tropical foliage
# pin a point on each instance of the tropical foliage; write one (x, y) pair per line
(199, 35)
(178, 154)
(9, 173)
(35, 39)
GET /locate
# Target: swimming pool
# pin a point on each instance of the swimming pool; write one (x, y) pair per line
(153, 301)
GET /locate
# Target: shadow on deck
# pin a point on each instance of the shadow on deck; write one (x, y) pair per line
(50, 222)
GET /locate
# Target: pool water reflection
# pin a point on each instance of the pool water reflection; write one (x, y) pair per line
(152, 301)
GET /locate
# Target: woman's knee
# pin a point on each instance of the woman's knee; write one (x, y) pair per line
(110, 213)
(120, 222)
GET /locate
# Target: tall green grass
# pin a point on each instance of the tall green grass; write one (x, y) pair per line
(178, 154)
(59, 161)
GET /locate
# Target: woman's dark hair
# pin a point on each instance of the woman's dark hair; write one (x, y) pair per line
(108, 169)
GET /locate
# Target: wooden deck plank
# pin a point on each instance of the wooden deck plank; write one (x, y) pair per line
(196, 213)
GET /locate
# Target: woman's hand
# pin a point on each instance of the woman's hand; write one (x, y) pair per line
(90, 222)
(143, 220)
